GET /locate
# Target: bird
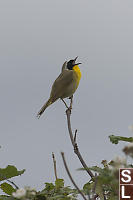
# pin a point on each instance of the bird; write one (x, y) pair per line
(65, 85)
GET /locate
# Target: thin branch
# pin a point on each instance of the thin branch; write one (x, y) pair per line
(73, 139)
(54, 162)
(71, 102)
(70, 176)
(12, 183)
(75, 135)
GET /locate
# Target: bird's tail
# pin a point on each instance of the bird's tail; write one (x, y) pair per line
(48, 103)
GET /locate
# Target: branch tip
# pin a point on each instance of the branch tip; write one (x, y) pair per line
(54, 162)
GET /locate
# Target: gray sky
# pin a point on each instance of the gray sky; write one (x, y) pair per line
(36, 37)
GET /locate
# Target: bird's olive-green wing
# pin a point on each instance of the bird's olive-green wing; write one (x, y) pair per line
(61, 84)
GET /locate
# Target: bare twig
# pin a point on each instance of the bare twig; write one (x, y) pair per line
(73, 139)
(70, 176)
(55, 170)
(12, 183)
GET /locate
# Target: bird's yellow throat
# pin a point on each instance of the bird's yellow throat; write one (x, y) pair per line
(78, 72)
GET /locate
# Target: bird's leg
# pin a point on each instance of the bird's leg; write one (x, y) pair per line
(71, 102)
(69, 109)
(65, 103)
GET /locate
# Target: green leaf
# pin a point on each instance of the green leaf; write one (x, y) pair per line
(9, 172)
(93, 168)
(96, 169)
(7, 188)
(88, 187)
(49, 186)
(59, 183)
(115, 139)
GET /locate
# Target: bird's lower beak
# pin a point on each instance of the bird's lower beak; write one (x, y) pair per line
(78, 63)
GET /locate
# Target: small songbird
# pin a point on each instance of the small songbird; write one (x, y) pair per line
(65, 85)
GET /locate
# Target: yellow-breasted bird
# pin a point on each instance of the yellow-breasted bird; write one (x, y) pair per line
(65, 85)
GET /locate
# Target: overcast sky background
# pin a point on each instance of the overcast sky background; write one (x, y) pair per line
(36, 37)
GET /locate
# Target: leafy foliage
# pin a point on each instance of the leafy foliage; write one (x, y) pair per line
(50, 192)
(105, 182)
(57, 191)
(104, 185)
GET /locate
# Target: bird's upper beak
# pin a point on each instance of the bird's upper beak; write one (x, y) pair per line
(75, 58)
(75, 61)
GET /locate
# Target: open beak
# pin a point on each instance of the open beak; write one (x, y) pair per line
(76, 63)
